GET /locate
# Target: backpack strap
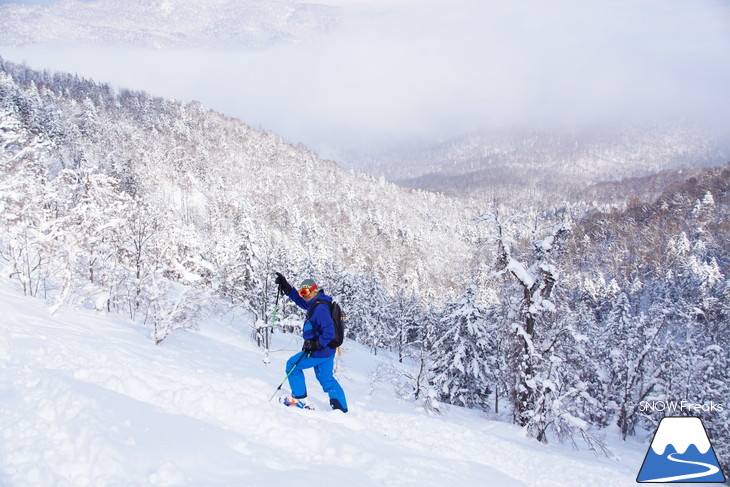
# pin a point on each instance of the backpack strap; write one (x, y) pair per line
(310, 311)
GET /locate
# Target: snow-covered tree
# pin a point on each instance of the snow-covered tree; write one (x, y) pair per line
(531, 303)
(463, 354)
(26, 219)
(633, 343)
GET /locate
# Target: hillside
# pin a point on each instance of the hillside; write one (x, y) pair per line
(89, 400)
(202, 176)
(551, 163)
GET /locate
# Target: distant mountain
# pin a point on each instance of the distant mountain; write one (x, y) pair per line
(646, 188)
(553, 162)
(165, 23)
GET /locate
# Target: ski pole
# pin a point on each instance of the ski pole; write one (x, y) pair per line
(287, 375)
(276, 307)
(273, 320)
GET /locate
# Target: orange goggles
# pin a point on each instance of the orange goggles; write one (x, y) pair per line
(306, 291)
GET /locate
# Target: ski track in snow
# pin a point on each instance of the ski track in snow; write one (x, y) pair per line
(88, 399)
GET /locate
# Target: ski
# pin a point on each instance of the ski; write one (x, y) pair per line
(296, 403)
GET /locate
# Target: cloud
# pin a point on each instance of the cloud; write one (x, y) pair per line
(404, 69)
(448, 67)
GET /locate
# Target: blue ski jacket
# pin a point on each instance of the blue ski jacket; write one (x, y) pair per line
(320, 326)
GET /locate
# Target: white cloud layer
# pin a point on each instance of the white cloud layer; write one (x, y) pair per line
(396, 70)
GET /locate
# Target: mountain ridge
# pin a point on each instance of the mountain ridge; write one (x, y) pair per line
(551, 160)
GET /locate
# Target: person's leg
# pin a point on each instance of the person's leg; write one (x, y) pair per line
(295, 370)
(323, 372)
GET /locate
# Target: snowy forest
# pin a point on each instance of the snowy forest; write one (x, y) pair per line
(563, 319)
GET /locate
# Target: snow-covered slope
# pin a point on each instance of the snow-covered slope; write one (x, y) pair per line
(88, 399)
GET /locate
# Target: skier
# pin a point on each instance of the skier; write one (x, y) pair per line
(319, 330)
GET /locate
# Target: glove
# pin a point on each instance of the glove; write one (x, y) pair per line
(311, 345)
(283, 285)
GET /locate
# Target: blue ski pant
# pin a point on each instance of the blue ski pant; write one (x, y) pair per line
(323, 372)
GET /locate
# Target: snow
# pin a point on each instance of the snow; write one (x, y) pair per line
(88, 399)
(519, 271)
(547, 243)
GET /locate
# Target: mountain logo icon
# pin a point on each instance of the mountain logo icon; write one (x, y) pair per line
(680, 452)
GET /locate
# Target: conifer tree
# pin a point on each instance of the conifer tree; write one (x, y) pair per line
(463, 355)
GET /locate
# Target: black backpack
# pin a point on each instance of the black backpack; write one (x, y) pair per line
(337, 318)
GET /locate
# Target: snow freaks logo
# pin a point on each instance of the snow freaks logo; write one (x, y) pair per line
(680, 406)
(680, 452)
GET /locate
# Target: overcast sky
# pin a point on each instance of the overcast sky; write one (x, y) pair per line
(429, 69)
